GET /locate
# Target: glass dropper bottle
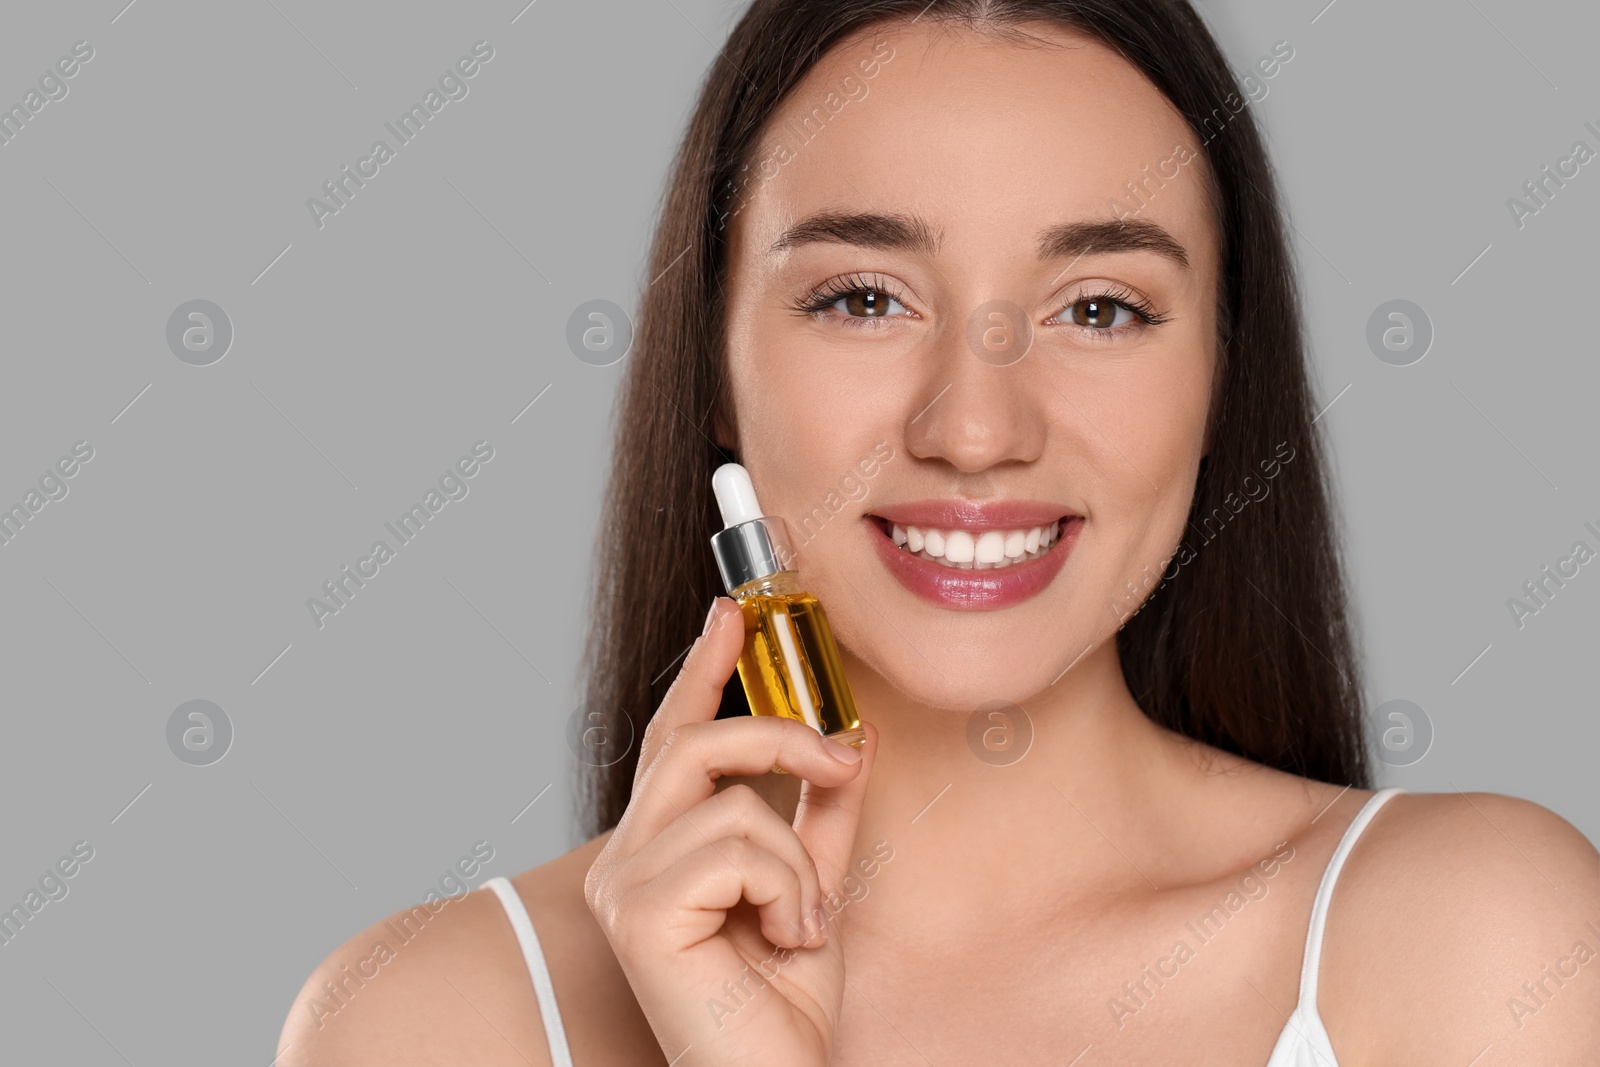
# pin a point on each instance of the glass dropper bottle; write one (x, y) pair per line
(790, 665)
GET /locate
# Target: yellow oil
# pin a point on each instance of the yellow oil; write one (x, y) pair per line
(790, 665)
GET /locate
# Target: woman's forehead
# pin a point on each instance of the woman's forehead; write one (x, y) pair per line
(977, 136)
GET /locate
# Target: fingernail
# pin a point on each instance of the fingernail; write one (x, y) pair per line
(709, 616)
(842, 753)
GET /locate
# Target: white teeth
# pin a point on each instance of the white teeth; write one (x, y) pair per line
(963, 550)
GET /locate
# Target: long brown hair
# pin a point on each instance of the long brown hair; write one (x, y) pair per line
(1244, 645)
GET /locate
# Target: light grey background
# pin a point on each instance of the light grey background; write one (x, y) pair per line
(371, 353)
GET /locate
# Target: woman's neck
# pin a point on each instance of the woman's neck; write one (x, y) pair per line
(1072, 792)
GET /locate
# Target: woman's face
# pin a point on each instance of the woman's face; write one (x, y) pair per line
(977, 361)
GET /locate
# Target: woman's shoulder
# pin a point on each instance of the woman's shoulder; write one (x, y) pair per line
(450, 984)
(1461, 922)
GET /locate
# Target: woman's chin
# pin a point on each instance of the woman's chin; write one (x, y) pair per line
(958, 681)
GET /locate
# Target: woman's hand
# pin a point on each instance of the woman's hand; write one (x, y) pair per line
(713, 904)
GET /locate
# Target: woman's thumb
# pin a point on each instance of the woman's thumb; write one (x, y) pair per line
(827, 817)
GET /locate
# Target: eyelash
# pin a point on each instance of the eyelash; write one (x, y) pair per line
(1142, 309)
(824, 296)
(829, 293)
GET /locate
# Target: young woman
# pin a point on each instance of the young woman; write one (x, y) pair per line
(929, 271)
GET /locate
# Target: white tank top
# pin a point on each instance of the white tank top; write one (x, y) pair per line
(1302, 1043)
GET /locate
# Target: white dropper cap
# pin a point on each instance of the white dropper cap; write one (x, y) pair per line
(751, 545)
(736, 496)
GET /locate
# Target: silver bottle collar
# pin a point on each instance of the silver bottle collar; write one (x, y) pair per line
(750, 550)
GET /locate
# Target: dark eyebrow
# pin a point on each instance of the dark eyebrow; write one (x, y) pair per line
(1124, 235)
(912, 234)
(866, 229)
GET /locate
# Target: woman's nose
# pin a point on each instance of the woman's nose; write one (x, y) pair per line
(978, 400)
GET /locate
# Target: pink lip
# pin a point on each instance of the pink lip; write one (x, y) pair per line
(974, 590)
(975, 514)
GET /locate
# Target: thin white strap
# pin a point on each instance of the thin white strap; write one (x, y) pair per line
(555, 1033)
(1319, 908)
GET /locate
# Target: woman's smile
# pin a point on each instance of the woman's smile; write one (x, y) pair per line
(972, 555)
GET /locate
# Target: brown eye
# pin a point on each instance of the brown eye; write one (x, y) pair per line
(1114, 314)
(1095, 312)
(854, 301)
(867, 303)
